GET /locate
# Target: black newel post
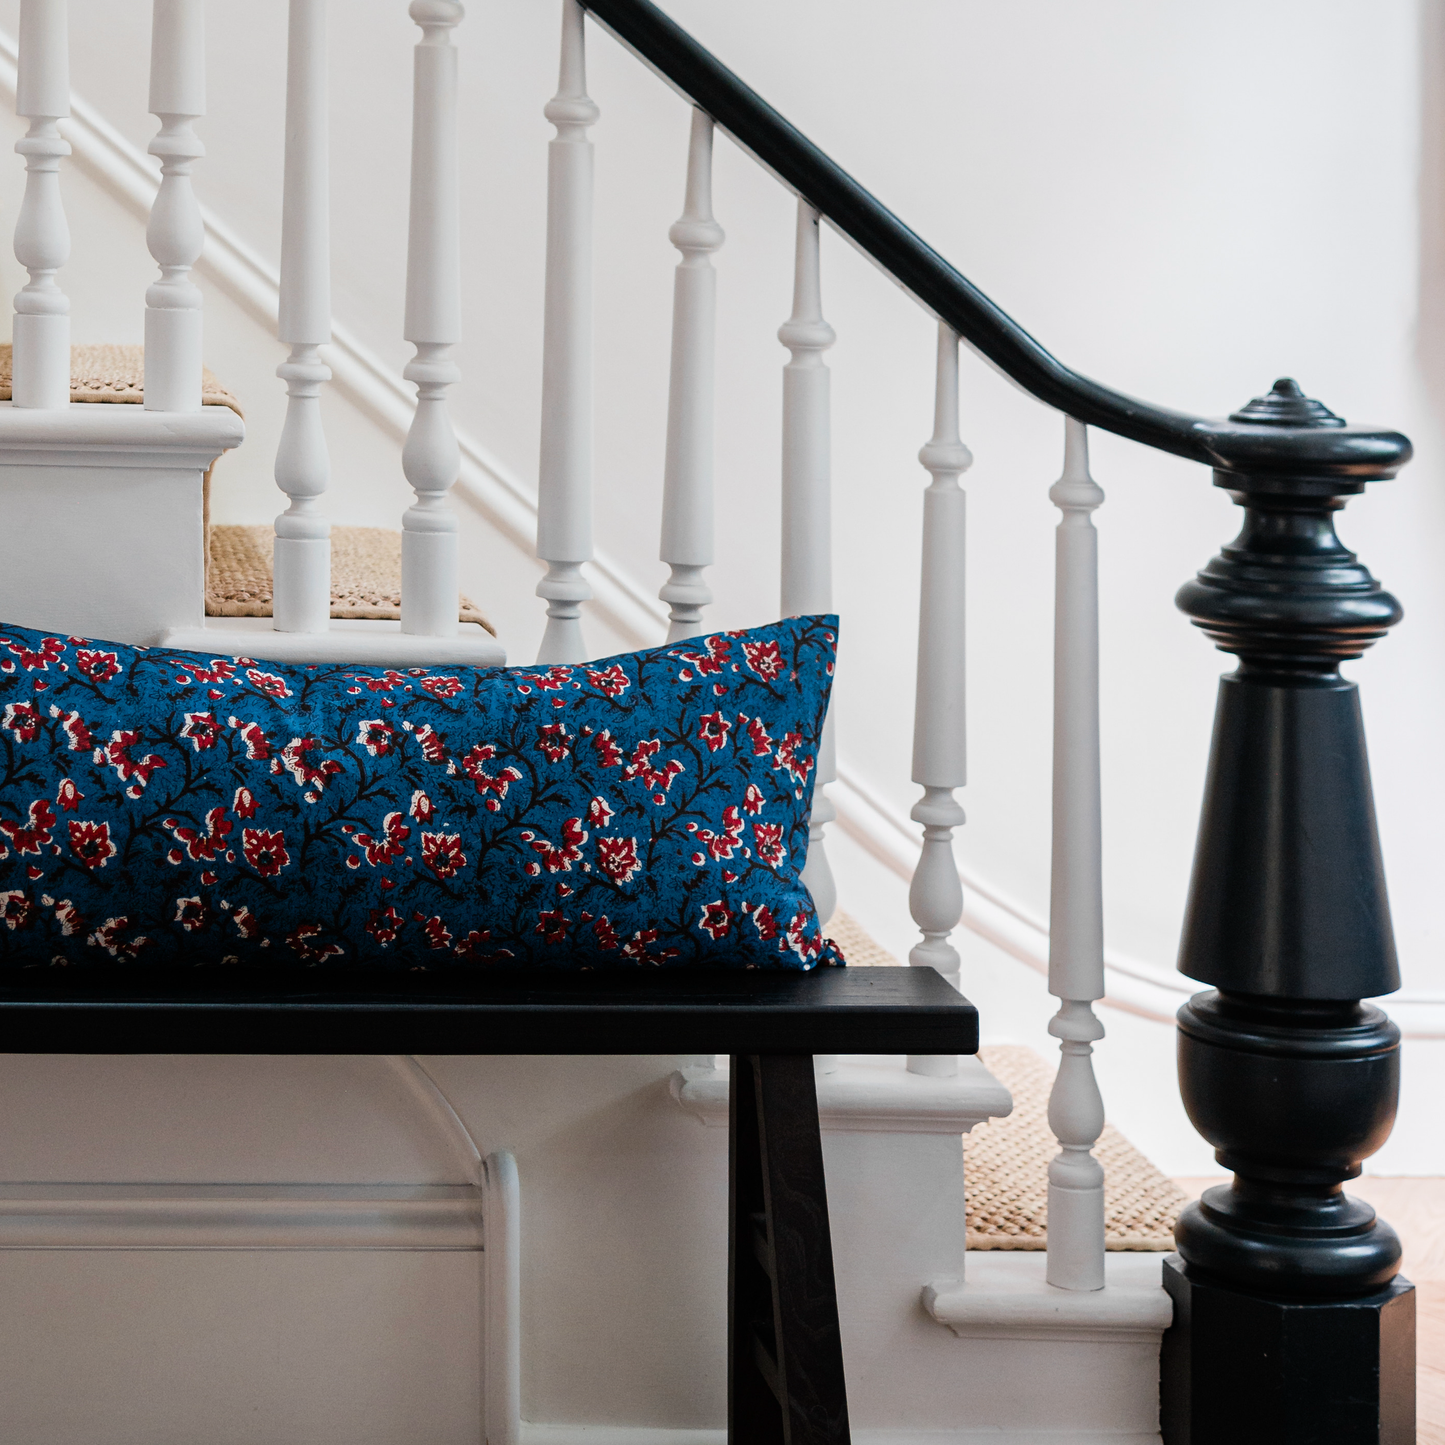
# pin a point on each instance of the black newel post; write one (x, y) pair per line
(1291, 1325)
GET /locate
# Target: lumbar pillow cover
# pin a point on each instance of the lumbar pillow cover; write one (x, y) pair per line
(160, 807)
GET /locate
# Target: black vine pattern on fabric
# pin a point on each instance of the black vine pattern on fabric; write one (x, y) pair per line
(163, 808)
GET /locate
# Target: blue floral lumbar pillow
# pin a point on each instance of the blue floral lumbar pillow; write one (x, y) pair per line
(161, 807)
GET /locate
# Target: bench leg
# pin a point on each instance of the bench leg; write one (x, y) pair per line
(785, 1354)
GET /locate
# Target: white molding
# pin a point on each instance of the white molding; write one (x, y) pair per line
(240, 1216)
(498, 494)
(104, 434)
(870, 1098)
(1007, 1297)
(986, 1435)
(365, 642)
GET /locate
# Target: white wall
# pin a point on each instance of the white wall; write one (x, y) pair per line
(1185, 201)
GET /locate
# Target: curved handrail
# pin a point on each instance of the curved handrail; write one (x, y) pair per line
(1355, 453)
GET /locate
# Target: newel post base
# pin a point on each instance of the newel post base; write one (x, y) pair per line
(1291, 1325)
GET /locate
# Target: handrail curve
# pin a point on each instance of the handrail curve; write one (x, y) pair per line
(1331, 454)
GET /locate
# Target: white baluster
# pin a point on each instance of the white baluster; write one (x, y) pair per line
(935, 897)
(1076, 911)
(431, 458)
(807, 509)
(302, 565)
(41, 358)
(687, 479)
(564, 484)
(175, 233)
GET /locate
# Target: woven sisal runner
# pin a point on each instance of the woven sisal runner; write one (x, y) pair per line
(1006, 1161)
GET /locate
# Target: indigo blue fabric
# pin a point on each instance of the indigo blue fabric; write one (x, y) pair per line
(161, 807)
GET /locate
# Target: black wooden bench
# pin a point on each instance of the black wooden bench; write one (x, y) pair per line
(785, 1361)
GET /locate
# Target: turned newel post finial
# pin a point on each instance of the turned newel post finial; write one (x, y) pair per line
(1282, 1067)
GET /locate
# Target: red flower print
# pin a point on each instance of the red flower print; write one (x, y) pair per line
(376, 736)
(765, 923)
(485, 782)
(641, 767)
(108, 937)
(764, 658)
(192, 914)
(391, 844)
(205, 847)
(90, 842)
(598, 813)
(68, 796)
(116, 754)
(96, 665)
(201, 729)
(422, 808)
(247, 924)
(790, 758)
(806, 946)
(552, 926)
(441, 687)
(753, 799)
(81, 739)
(384, 924)
(243, 805)
(50, 650)
(757, 734)
(265, 851)
(608, 753)
(22, 719)
(554, 742)
(299, 940)
(713, 660)
(768, 838)
(713, 730)
(636, 947)
(610, 681)
(442, 853)
(554, 678)
(719, 845)
(16, 909)
(617, 858)
(67, 916)
(560, 860)
(293, 759)
(468, 947)
(436, 932)
(717, 919)
(605, 934)
(389, 679)
(31, 837)
(267, 682)
(219, 671)
(433, 747)
(258, 745)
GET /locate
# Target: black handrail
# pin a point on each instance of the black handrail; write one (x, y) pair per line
(1233, 445)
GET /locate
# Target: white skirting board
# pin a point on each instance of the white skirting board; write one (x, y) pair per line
(632, 1435)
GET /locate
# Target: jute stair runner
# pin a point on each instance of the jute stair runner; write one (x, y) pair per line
(1006, 1161)
(365, 561)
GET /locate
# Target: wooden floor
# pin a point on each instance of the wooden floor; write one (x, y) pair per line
(1416, 1207)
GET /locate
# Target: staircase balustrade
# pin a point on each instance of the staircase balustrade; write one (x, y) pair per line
(431, 458)
(301, 574)
(935, 896)
(564, 478)
(40, 358)
(176, 232)
(687, 516)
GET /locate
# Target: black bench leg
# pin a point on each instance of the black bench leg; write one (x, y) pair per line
(785, 1354)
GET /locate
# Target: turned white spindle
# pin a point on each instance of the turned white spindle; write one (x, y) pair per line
(431, 458)
(564, 483)
(935, 897)
(301, 588)
(175, 233)
(41, 358)
(687, 479)
(807, 563)
(1076, 911)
